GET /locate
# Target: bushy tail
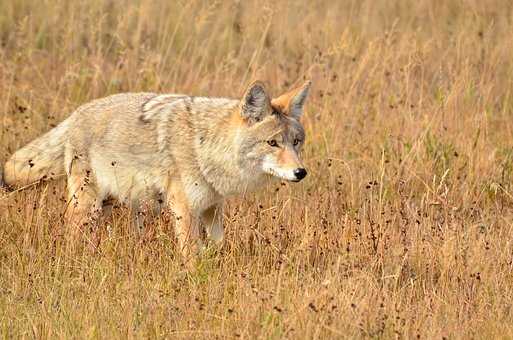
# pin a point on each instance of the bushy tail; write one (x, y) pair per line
(41, 159)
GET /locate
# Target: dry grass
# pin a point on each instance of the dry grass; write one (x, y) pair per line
(403, 228)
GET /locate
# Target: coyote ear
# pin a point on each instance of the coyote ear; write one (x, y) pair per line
(254, 102)
(292, 102)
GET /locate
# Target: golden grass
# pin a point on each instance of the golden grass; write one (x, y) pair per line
(402, 229)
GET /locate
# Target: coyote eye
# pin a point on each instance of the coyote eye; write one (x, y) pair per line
(296, 142)
(272, 142)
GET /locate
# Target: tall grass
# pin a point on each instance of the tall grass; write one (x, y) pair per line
(402, 229)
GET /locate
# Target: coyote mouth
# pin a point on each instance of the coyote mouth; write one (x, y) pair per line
(277, 174)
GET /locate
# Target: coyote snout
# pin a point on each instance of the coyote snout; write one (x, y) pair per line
(286, 165)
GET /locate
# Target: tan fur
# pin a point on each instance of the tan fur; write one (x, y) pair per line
(288, 103)
(187, 152)
(288, 159)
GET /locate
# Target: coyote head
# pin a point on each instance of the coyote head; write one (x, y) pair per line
(272, 137)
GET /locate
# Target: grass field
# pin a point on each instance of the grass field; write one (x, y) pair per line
(403, 228)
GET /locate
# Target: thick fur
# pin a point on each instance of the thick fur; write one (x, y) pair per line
(42, 158)
(188, 153)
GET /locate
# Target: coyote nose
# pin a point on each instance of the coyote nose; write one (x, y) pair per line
(300, 173)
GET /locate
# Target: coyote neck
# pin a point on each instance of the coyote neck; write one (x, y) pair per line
(221, 158)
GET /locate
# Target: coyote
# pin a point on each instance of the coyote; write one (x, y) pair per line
(188, 153)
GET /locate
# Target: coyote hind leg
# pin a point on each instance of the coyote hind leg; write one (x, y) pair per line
(84, 200)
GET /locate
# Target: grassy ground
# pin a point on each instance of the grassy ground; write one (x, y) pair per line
(403, 229)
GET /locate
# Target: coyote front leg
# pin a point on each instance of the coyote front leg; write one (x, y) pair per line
(213, 222)
(186, 223)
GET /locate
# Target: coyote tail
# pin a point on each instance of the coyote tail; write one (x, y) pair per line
(41, 159)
